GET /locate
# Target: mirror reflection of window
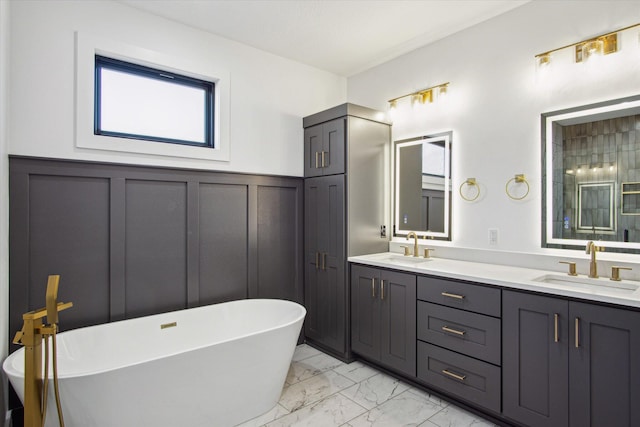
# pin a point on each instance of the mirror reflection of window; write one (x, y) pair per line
(433, 158)
(433, 186)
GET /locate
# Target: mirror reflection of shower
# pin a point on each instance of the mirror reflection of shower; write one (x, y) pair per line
(592, 175)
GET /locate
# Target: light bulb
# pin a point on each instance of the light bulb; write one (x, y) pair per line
(592, 48)
(543, 60)
(416, 100)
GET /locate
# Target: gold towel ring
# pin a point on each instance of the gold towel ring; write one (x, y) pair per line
(471, 182)
(519, 179)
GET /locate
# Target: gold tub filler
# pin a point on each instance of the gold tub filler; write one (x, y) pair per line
(31, 336)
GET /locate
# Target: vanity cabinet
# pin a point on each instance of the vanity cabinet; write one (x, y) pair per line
(324, 148)
(535, 332)
(569, 362)
(459, 333)
(383, 317)
(346, 156)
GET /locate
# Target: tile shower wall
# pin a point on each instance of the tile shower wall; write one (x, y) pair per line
(605, 151)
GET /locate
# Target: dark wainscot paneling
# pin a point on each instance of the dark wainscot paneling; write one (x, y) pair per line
(130, 241)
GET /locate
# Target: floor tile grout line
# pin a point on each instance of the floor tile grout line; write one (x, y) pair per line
(417, 392)
(333, 394)
(320, 400)
(325, 398)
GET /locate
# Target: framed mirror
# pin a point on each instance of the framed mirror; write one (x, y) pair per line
(596, 207)
(423, 186)
(591, 176)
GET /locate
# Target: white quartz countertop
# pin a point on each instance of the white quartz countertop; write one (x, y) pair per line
(625, 292)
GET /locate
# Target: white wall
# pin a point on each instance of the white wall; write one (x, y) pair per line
(4, 200)
(269, 94)
(496, 98)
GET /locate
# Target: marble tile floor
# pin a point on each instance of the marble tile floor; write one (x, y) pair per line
(321, 391)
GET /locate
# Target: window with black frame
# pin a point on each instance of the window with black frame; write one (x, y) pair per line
(138, 102)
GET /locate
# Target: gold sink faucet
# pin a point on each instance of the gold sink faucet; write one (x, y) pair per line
(415, 242)
(592, 248)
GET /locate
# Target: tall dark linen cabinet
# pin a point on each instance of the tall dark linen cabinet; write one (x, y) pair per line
(346, 202)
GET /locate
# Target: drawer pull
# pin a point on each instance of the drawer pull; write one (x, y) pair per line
(453, 331)
(452, 375)
(456, 296)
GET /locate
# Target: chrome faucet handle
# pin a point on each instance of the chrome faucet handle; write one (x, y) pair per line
(406, 250)
(615, 272)
(427, 252)
(572, 267)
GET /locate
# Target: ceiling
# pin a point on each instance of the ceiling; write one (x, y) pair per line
(343, 37)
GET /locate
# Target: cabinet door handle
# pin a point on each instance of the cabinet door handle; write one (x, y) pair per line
(453, 331)
(556, 338)
(456, 296)
(452, 375)
(317, 256)
(323, 163)
(577, 332)
(373, 287)
(381, 289)
(317, 167)
(324, 261)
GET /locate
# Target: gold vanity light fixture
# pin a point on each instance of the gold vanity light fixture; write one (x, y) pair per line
(600, 45)
(422, 96)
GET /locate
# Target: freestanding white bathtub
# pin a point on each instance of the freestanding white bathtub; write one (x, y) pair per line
(218, 366)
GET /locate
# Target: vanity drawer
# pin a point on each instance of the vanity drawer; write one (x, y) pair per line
(465, 296)
(468, 378)
(469, 333)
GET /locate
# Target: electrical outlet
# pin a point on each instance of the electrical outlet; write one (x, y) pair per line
(383, 231)
(493, 236)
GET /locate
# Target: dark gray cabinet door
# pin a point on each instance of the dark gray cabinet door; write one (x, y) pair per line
(383, 317)
(325, 287)
(334, 147)
(324, 149)
(365, 311)
(604, 359)
(534, 363)
(398, 321)
(312, 150)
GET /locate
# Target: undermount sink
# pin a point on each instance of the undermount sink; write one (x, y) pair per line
(401, 259)
(603, 282)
